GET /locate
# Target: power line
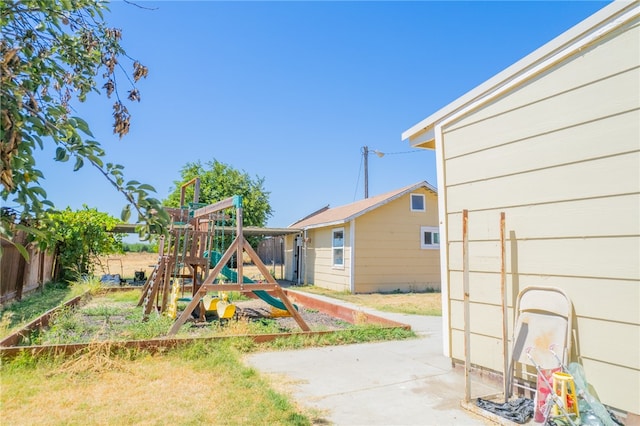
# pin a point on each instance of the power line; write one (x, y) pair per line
(413, 151)
(380, 154)
(358, 179)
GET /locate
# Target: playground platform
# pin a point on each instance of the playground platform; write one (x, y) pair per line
(407, 382)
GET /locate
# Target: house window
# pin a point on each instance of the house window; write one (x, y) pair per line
(337, 244)
(417, 203)
(429, 237)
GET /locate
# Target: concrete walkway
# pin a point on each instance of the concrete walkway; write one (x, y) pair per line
(406, 382)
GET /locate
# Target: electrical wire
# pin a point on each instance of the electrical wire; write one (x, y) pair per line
(355, 193)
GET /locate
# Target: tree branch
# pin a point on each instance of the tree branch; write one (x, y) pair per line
(141, 7)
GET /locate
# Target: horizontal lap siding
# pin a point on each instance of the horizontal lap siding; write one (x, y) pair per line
(322, 271)
(590, 141)
(388, 253)
(608, 380)
(560, 156)
(609, 176)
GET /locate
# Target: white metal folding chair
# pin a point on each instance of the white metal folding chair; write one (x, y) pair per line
(543, 320)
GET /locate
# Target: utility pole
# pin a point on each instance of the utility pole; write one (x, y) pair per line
(365, 152)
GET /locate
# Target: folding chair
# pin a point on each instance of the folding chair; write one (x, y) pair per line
(543, 320)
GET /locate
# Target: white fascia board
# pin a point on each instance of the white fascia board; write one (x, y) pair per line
(325, 224)
(571, 40)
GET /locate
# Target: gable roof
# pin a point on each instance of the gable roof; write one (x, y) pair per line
(573, 40)
(348, 212)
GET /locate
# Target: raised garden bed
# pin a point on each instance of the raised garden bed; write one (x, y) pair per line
(90, 320)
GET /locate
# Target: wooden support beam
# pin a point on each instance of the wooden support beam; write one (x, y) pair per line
(202, 291)
(278, 290)
(292, 310)
(207, 286)
(166, 282)
(152, 292)
(212, 208)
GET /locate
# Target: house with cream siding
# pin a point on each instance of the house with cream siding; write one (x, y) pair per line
(553, 141)
(385, 243)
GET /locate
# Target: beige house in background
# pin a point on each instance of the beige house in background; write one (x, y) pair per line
(554, 142)
(385, 243)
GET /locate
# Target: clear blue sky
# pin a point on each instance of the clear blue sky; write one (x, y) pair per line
(291, 91)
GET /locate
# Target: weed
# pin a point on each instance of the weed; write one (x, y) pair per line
(64, 327)
(5, 322)
(104, 311)
(155, 326)
(131, 296)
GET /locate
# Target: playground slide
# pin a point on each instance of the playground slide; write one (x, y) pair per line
(233, 277)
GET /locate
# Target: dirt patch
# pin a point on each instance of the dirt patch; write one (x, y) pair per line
(256, 310)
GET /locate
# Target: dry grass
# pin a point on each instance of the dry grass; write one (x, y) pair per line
(406, 303)
(200, 385)
(127, 264)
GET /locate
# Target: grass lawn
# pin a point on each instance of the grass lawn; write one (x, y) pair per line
(404, 303)
(202, 383)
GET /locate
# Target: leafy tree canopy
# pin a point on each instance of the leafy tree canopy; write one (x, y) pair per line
(52, 52)
(219, 181)
(81, 237)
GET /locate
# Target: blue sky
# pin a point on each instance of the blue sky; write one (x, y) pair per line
(292, 91)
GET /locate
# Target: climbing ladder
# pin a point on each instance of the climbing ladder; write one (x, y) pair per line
(150, 289)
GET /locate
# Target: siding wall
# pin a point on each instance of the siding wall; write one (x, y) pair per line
(388, 256)
(560, 156)
(321, 270)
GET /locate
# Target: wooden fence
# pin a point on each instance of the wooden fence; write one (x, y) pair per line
(19, 277)
(271, 250)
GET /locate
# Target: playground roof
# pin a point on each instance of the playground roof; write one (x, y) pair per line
(130, 228)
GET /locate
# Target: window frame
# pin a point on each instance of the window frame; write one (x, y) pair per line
(334, 248)
(424, 202)
(432, 230)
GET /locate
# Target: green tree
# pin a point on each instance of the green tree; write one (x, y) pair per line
(52, 52)
(81, 236)
(219, 181)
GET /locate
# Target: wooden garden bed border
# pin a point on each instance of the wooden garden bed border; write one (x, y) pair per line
(9, 348)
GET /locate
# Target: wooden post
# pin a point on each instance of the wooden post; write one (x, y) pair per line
(283, 297)
(467, 326)
(503, 299)
(240, 249)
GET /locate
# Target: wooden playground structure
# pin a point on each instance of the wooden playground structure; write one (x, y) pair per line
(195, 250)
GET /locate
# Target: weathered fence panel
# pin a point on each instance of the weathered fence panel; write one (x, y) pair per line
(17, 276)
(271, 250)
